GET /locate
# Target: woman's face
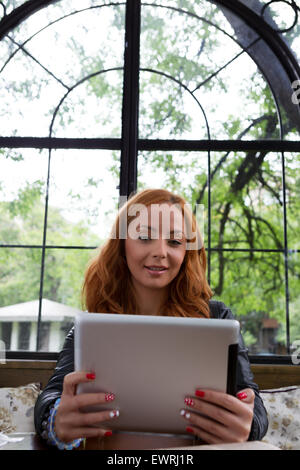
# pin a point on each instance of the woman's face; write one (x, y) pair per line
(155, 246)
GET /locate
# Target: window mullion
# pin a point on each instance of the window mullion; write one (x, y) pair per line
(128, 171)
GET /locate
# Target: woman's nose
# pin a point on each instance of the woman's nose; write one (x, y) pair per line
(160, 248)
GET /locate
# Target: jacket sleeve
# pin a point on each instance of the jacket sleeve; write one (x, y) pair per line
(245, 377)
(53, 390)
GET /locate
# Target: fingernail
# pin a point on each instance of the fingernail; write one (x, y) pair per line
(242, 395)
(199, 393)
(190, 430)
(114, 413)
(108, 433)
(91, 376)
(189, 401)
(185, 413)
(109, 397)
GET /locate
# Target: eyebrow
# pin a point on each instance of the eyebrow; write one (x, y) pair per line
(154, 229)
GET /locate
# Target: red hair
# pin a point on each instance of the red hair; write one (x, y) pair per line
(107, 284)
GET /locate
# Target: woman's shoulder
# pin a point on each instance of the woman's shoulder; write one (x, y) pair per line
(219, 310)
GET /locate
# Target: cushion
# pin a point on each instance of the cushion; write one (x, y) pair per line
(283, 408)
(17, 408)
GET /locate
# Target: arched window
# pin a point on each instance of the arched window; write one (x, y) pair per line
(99, 99)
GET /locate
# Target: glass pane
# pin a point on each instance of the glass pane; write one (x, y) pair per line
(292, 179)
(252, 285)
(292, 172)
(294, 300)
(197, 82)
(83, 196)
(45, 83)
(20, 270)
(62, 288)
(22, 195)
(167, 169)
(92, 109)
(247, 200)
(63, 279)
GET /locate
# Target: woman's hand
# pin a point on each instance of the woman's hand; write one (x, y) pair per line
(226, 418)
(72, 423)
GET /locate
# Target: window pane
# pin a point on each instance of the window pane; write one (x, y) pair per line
(294, 300)
(247, 200)
(47, 62)
(197, 82)
(176, 171)
(63, 279)
(20, 274)
(253, 286)
(22, 195)
(292, 172)
(59, 286)
(20, 270)
(292, 180)
(92, 109)
(83, 196)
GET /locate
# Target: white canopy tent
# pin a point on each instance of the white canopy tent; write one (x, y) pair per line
(55, 315)
(28, 311)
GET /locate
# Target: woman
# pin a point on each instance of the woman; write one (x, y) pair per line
(154, 263)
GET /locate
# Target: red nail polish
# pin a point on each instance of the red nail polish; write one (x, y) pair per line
(90, 376)
(190, 430)
(189, 401)
(242, 395)
(199, 393)
(109, 397)
(108, 433)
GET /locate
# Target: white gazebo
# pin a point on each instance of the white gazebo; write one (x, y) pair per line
(54, 314)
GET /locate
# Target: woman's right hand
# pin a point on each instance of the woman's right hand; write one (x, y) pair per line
(70, 421)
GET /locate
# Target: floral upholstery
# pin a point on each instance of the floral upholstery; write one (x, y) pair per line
(17, 408)
(283, 408)
(282, 405)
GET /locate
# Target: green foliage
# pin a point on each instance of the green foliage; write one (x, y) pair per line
(21, 223)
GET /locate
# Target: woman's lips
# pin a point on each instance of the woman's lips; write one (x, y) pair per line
(156, 269)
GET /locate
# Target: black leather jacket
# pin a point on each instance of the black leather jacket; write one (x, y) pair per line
(65, 365)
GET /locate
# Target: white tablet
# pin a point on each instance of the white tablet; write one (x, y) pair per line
(151, 363)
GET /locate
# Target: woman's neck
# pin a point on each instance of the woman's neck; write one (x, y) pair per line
(150, 301)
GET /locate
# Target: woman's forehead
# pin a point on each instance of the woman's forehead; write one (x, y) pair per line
(157, 215)
(163, 218)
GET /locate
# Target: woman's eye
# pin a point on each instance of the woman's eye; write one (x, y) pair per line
(144, 237)
(175, 242)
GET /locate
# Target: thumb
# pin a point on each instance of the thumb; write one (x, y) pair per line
(246, 395)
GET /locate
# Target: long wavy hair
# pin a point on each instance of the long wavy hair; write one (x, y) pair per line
(108, 288)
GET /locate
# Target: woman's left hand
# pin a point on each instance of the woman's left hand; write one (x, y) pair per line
(226, 418)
